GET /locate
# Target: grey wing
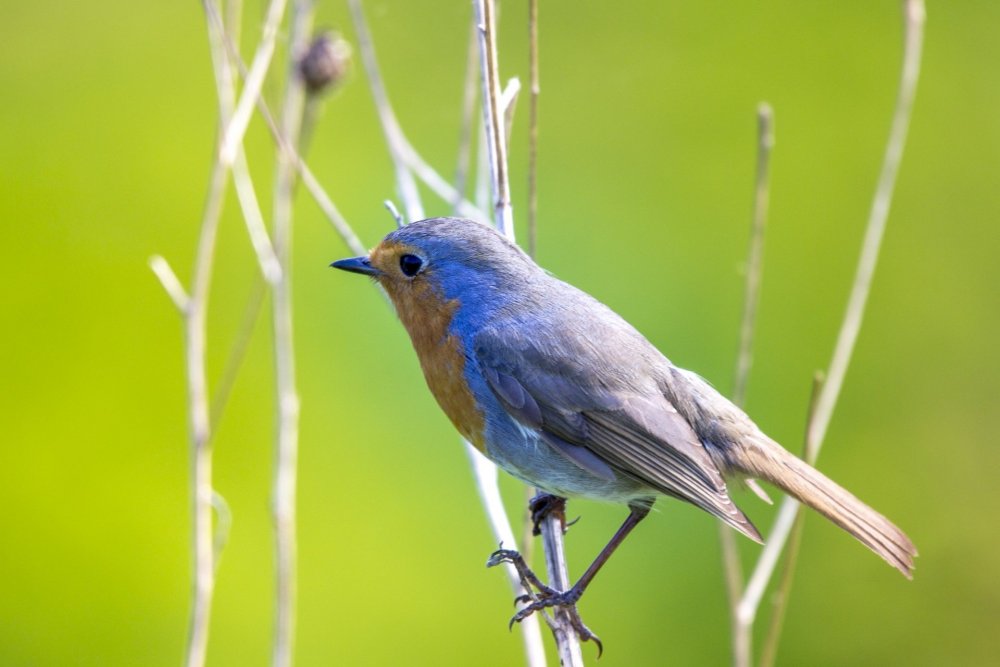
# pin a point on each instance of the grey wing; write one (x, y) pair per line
(604, 414)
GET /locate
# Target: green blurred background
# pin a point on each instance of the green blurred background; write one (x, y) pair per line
(646, 169)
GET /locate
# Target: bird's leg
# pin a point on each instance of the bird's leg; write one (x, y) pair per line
(547, 597)
(529, 580)
(544, 504)
(541, 507)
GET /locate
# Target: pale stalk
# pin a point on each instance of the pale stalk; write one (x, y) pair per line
(567, 640)
(468, 115)
(769, 651)
(286, 393)
(914, 18)
(533, 127)
(399, 146)
(194, 312)
(741, 640)
(390, 127)
(254, 80)
(309, 180)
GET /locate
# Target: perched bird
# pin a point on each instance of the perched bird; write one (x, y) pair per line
(564, 394)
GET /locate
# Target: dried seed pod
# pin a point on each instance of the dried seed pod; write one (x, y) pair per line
(325, 62)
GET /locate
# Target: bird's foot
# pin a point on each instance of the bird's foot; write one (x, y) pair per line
(540, 597)
(566, 604)
(529, 580)
(542, 506)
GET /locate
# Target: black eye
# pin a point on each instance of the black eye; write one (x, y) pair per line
(410, 265)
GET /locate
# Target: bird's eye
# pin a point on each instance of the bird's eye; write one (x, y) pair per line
(410, 265)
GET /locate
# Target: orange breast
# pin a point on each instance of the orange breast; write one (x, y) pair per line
(426, 317)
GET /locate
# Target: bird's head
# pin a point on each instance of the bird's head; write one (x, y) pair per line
(448, 258)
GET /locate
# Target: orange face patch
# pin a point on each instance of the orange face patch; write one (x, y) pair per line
(426, 315)
(385, 257)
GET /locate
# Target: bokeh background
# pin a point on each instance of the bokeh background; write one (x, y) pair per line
(647, 119)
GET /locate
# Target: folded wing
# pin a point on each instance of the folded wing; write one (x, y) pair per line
(587, 405)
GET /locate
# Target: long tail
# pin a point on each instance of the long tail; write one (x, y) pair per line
(768, 461)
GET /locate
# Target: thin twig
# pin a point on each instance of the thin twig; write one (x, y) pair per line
(488, 486)
(194, 316)
(394, 212)
(533, 127)
(914, 17)
(557, 569)
(254, 219)
(326, 205)
(312, 184)
(769, 650)
(237, 125)
(171, 284)
(390, 126)
(755, 254)
(238, 350)
(492, 113)
(442, 188)
(567, 640)
(468, 114)
(508, 102)
(286, 393)
(400, 146)
(740, 635)
(223, 527)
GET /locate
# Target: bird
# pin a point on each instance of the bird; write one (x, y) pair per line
(562, 393)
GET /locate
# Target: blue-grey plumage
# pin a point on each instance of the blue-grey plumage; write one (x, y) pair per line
(564, 394)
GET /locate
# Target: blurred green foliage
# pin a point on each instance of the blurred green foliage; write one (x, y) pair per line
(646, 167)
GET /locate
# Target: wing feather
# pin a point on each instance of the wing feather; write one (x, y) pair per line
(612, 424)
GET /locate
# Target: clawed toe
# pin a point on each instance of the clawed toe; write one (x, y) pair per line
(567, 602)
(540, 597)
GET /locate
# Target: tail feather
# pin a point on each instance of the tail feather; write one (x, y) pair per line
(770, 462)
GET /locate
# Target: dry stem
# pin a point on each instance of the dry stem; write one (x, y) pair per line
(468, 114)
(390, 126)
(780, 598)
(566, 638)
(492, 116)
(533, 127)
(914, 17)
(287, 428)
(399, 146)
(754, 269)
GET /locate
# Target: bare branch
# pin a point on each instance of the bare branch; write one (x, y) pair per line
(312, 184)
(254, 219)
(326, 205)
(170, 283)
(492, 113)
(780, 598)
(203, 543)
(394, 212)
(237, 125)
(468, 113)
(551, 527)
(400, 146)
(286, 393)
(533, 127)
(508, 103)
(488, 487)
(741, 636)
(914, 22)
(237, 351)
(755, 254)
(914, 16)
(390, 126)
(223, 526)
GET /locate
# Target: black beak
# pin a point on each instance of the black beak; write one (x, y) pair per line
(356, 265)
